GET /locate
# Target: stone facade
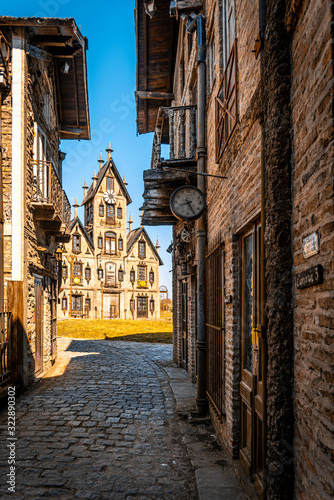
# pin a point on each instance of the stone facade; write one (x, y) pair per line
(269, 235)
(36, 209)
(109, 271)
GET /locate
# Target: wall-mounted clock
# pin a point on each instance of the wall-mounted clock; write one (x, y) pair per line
(187, 203)
(109, 197)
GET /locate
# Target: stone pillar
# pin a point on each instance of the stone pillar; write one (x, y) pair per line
(276, 76)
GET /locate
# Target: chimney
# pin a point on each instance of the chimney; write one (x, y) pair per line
(130, 224)
(94, 179)
(100, 161)
(109, 151)
(85, 187)
(75, 208)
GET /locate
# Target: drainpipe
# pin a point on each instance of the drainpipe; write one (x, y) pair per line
(1, 219)
(198, 23)
(263, 327)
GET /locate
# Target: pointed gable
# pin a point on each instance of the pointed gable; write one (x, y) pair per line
(100, 176)
(76, 221)
(134, 236)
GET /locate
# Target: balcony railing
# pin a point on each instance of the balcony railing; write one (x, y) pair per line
(48, 194)
(175, 126)
(5, 348)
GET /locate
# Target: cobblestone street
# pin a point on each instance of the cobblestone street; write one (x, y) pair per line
(101, 424)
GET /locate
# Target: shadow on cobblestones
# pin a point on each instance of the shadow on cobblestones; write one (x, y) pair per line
(101, 425)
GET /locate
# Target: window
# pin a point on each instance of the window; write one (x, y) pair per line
(132, 305)
(65, 272)
(76, 305)
(88, 273)
(91, 213)
(110, 214)
(40, 167)
(64, 303)
(132, 275)
(100, 273)
(120, 274)
(151, 277)
(226, 100)
(142, 307)
(152, 305)
(101, 210)
(211, 62)
(77, 272)
(141, 273)
(142, 249)
(88, 303)
(228, 19)
(110, 243)
(76, 244)
(120, 244)
(119, 213)
(100, 242)
(110, 184)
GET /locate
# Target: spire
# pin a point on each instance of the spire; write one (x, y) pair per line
(94, 179)
(157, 246)
(85, 187)
(75, 208)
(124, 181)
(141, 218)
(109, 151)
(100, 160)
(130, 224)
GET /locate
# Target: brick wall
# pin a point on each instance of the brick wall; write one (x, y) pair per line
(312, 118)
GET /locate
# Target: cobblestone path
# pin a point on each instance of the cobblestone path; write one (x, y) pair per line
(101, 425)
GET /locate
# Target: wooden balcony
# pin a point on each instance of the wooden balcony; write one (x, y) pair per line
(175, 127)
(49, 201)
(4, 62)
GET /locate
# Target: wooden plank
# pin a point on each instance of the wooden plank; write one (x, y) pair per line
(19, 344)
(154, 95)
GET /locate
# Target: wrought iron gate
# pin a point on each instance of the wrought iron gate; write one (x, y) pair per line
(215, 331)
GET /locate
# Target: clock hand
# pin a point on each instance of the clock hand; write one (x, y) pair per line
(188, 202)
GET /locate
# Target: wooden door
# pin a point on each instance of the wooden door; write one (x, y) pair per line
(110, 305)
(38, 325)
(252, 366)
(184, 325)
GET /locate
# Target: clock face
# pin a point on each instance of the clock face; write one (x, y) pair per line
(187, 203)
(110, 197)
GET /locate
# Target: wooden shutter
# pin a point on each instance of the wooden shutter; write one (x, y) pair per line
(226, 104)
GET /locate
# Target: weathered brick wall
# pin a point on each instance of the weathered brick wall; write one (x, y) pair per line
(312, 120)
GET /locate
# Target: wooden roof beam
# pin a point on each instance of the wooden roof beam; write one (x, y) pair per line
(169, 96)
(52, 41)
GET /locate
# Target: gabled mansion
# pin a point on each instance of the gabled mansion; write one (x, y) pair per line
(108, 270)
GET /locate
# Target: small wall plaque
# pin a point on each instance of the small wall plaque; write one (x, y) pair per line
(311, 245)
(310, 277)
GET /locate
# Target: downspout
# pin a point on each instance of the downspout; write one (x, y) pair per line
(198, 23)
(1, 218)
(263, 317)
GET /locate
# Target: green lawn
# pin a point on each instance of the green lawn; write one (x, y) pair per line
(117, 329)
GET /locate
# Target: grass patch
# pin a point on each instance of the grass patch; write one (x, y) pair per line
(155, 331)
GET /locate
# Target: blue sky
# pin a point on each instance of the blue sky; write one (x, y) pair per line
(109, 27)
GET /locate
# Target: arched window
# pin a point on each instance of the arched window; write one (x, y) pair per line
(120, 243)
(110, 243)
(110, 184)
(101, 210)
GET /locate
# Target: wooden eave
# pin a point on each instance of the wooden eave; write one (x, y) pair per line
(159, 186)
(62, 40)
(156, 41)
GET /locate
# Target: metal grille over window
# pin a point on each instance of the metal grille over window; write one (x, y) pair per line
(226, 104)
(214, 270)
